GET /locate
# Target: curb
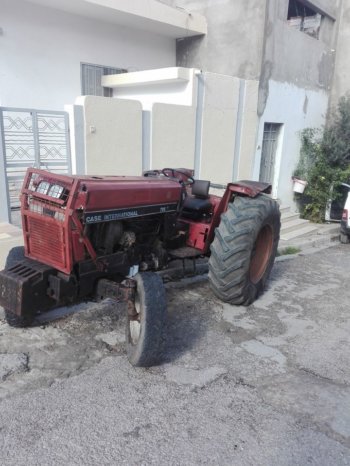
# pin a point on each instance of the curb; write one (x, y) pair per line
(310, 247)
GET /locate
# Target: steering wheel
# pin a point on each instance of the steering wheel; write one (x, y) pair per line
(184, 177)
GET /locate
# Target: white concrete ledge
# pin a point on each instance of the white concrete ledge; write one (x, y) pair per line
(148, 77)
(150, 15)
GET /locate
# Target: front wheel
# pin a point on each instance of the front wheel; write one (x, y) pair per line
(144, 330)
(244, 249)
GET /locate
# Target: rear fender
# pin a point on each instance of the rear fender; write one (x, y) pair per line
(250, 188)
(240, 188)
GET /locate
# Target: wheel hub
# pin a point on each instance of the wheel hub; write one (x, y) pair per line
(134, 323)
(261, 253)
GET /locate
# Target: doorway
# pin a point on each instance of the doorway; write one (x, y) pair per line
(270, 145)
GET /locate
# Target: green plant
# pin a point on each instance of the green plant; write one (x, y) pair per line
(324, 162)
(309, 153)
(288, 251)
(336, 136)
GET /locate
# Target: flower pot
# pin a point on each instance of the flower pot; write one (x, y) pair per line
(299, 185)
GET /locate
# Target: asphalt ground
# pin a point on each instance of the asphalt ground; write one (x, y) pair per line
(262, 385)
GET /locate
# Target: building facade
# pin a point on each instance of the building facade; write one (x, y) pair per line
(233, 83)
(290, 48)
(53, 51)
(341, 80)
(47, 46)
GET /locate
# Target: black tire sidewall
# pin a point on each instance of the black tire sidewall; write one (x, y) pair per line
(147, 351)
(14, 256)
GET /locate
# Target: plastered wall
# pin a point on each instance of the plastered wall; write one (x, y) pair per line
(221, 136)
(41, 50)
(234, 43)
(216, 135)
(219, 123)
(250, 121)
(172, 136)
(295, 108)
(112, 135)
(341, 81)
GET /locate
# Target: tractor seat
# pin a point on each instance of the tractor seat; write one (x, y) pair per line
(198, 204)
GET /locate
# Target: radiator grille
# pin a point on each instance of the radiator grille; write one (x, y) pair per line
(46, 242)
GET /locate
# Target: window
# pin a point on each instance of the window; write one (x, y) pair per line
(91, 79)
(304, 18)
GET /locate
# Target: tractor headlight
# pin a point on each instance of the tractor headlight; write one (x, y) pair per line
(55, 191)
(52, 190)
(43, 187)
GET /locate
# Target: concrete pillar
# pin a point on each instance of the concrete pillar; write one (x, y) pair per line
(5, 212)
(77, 138)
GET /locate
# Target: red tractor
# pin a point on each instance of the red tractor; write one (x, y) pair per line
(91, 236)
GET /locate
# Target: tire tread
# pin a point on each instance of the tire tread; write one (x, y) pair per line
(148, 350)
(232, 246)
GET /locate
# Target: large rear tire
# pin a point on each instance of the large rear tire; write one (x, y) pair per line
(14, 256)
(144, 331)
(244, 249)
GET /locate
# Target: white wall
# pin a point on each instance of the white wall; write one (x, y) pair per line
(218, 132)
(173, 130)
(229, 128)
(207, 123)
(296, 109)
(250, 121)
(41, 50)
(113, 136)
(215, 134)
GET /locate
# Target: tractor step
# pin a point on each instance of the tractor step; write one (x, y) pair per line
(184, 267)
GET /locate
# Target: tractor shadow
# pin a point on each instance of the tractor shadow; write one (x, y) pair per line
(187, 319)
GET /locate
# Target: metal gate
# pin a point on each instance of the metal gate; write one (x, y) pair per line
(32, 138)
(268, 152)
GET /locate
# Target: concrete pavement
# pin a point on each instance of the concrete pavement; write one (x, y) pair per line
(263, 385)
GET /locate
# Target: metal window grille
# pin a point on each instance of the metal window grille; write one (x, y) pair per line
(91, 79)
(268, 152)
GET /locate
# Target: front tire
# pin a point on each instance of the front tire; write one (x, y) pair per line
(244, 249)
(15, 255)
(144, 331)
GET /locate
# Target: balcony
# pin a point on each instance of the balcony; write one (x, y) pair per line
(151, 16)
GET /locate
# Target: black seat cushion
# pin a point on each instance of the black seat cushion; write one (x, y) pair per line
(195, 208)
(200, 188)
(198, 205)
